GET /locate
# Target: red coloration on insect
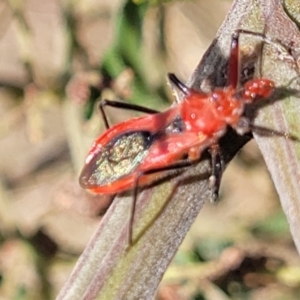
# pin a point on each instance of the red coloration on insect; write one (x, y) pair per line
(127, 153)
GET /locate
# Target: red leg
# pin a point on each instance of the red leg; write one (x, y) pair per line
(233, 63)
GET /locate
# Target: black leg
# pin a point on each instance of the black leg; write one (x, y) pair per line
(123, 105)
(175, 166)
(244, 126)
(264, 131)
(217, 169)
(217, 166)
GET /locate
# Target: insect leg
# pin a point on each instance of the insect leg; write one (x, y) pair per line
(264, 131)
(122, 105)
(178, 165)
(275, 43)
(233, 62)
(244, 126)
(234, 52)
(217, 169)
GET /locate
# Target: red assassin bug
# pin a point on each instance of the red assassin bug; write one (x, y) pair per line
(128, 155)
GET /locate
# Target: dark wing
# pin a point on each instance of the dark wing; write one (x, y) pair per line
(118, 158)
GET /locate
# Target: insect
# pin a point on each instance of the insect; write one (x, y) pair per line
(132, 153)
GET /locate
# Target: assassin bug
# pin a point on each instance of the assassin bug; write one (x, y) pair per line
(130, 154)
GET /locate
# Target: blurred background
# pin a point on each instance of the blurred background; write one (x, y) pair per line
(57, 60)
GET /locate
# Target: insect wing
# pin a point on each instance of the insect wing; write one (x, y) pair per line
(110, 162)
